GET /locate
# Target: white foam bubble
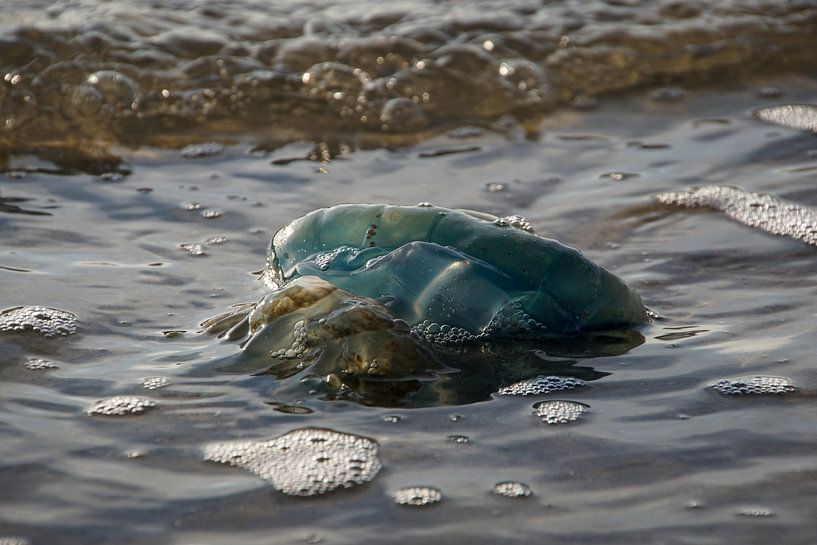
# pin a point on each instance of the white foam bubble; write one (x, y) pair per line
(417, 496)
(757, 385)
(121, 406)
(49, 322)
(559, 412)
(303, 462)
(542, 384)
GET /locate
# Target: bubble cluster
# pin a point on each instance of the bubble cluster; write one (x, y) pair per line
(444, 335)
(559, 412)
(511, 320)
(517, 222)
(193, 248)
(39, 364)
(303, 462)
(802, 117)
(13, 540)
(540, 385)
(512, 489)
(756, 512)
(759, 210)
(298, 346)
(199, 249)
(324, 260)
(154, 383)
(121, 406)
(49, 322)
(417, 496)
(757, 384)
(208, 149)
(211, 213)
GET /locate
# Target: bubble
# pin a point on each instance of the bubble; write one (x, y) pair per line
(121, 406)
(13, 540)
(105, 91)
(303, 462)
(757, 384)
(770, 91)
(512, 489)
(111, 177)
(668, 94)
(802, 117)
(37, 364)
(619, 176)
(759, 210)
(495, 187)
(403, 114)
(756, 512)
(208, 149)
(542, 384)
(517, 222)
(190, 206)
(154, 383)
(559, 412)
(467, 131)
(417, 496)
(292, 409)
(211, 213)
(49, 322)
(194, 249)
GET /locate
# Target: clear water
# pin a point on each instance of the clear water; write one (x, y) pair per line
(659, 456)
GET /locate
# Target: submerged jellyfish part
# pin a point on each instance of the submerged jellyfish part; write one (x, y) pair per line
(452, 267)
(303, 462)
(310, 322)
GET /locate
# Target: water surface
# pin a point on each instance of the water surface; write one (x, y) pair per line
(97, 204)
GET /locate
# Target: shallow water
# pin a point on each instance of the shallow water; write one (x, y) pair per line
(659, 456)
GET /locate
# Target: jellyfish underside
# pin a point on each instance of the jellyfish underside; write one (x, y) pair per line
(413, 306)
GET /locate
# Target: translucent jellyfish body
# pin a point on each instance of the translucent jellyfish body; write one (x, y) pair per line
(472, 272)
(382, 303)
